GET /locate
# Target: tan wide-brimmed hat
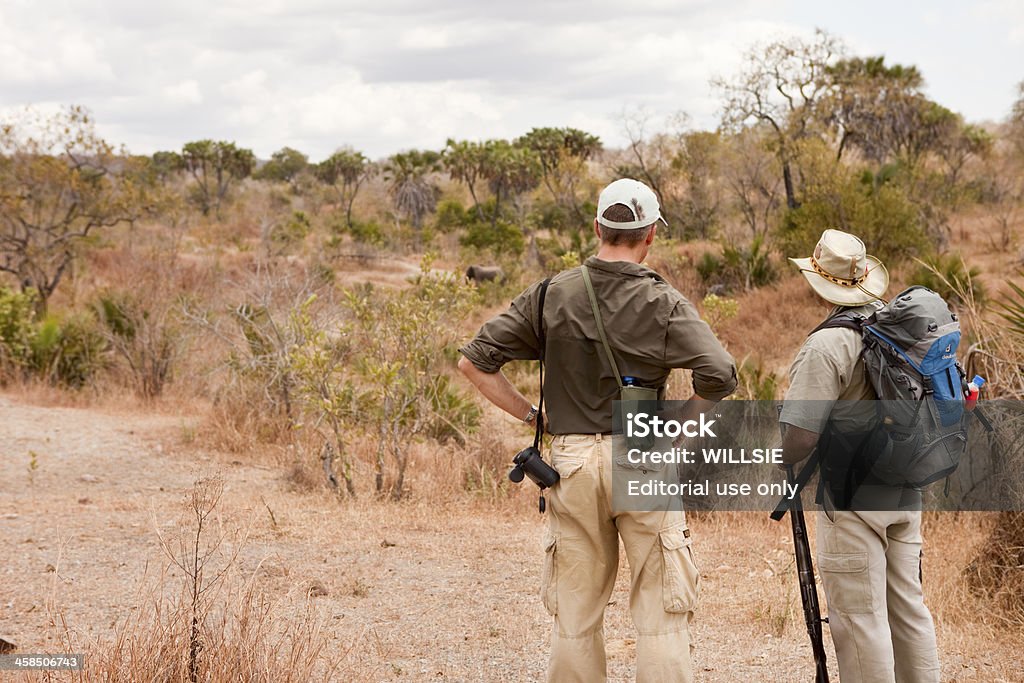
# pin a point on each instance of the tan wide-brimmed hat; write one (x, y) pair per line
(841, 271)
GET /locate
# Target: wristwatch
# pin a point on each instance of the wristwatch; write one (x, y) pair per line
(531, 416)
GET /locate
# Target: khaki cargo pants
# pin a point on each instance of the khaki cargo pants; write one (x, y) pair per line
(581, 560)
(870, 567)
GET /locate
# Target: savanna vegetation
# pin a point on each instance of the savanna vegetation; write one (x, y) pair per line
(310, 311)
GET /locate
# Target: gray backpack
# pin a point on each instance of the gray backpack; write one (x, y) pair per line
(909, 354)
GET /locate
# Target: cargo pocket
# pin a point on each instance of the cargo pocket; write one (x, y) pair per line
(567, 465)
(847, 582)
(680, 578)
(549, 575)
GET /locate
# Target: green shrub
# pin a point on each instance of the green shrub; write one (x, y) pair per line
(451, 216)
(547, 215)
(453, 414)
(756, 383)
(145, 332)
(745, 266)
(749, 265)
(1012, 309)
(368, 232)
(17, 328)
(709, 267)
(875, 207)
(68, 351)
(718, 309)
(949, 276)
(291, 232)
(62, 350)
(501, 238)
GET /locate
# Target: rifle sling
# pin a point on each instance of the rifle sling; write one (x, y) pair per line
(600, 324)
(801, 481)
(541, 343)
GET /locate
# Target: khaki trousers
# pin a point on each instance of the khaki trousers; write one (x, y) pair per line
(870, 565)
(581, 560)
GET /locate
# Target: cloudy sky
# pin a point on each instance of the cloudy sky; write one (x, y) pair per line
(388, 75)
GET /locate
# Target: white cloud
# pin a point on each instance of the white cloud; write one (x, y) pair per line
(185, 92)
(249, 87)
(395, 74)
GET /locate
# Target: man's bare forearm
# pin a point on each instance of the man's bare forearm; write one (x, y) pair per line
(797, 443)
(497, 389)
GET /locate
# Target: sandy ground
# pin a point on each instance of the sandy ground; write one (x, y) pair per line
(415, 591)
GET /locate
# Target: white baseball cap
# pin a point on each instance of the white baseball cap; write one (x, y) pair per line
(640, 199)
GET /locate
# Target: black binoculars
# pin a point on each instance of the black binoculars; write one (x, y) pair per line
(529, 463)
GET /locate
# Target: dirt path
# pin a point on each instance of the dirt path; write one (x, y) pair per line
(414, 591)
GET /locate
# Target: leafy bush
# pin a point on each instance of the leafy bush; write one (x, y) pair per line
(875, 207)
(451, 216)
(68, 351)
(501, 238)
(718, 309)
(751, 264)
(61, 350)
(368, 232)
(384, 372)
(709, 267)
(17, 327)
(747, 266)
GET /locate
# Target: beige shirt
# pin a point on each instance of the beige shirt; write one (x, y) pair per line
(826, 378)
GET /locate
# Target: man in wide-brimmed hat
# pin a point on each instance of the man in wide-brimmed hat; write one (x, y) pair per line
(869, 555)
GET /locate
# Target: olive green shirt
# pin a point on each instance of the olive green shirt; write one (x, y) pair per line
(651, 328)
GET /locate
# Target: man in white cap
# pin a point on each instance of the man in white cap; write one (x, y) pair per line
(868, 534)
(650, 329)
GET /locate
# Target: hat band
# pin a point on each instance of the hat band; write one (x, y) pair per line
(842, 282)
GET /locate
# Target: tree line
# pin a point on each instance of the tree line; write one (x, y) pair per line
(810, 136)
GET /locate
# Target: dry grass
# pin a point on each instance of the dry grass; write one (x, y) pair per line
(442, 585)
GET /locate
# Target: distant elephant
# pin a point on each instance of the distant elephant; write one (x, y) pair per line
(480, 274)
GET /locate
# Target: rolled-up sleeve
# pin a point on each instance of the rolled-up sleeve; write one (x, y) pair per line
(510, 335)
(690, 344)
(814, 386)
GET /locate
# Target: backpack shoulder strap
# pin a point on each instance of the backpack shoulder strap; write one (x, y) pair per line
(845, 320)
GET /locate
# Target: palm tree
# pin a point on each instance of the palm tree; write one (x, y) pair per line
(412, 191)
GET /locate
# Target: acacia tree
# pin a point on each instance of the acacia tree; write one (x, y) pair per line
(466, 162)
(881, 111)
(345, 171)
(412, 190)
(780, 86)
(59, 183)
(562, 153)
(215, 166)
(284, 166)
